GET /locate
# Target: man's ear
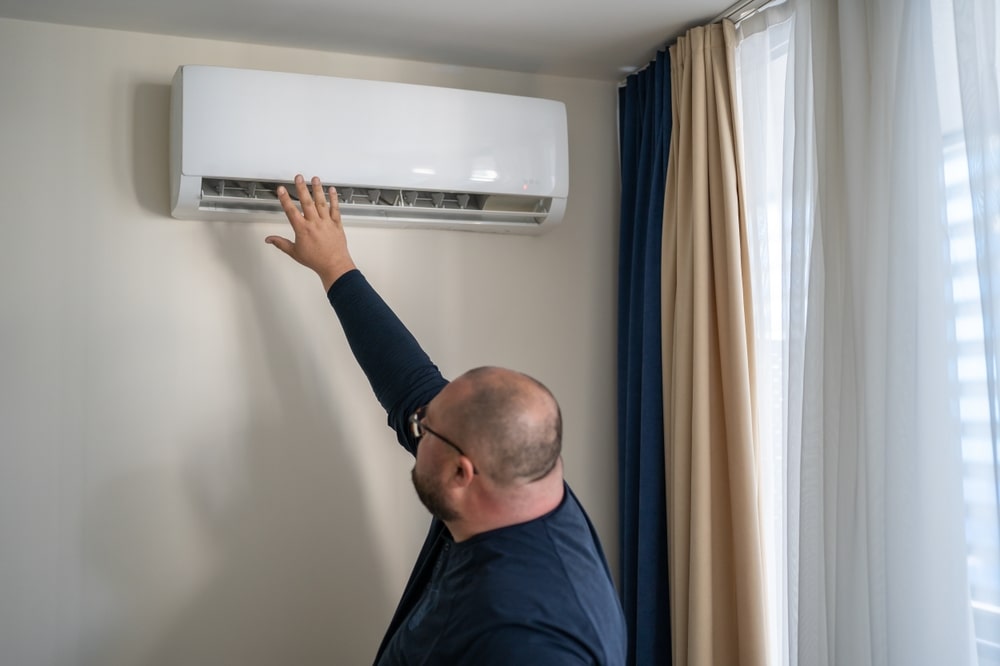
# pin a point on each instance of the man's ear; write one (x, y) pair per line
(464, 471)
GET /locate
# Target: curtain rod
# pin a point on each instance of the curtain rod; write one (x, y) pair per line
(741, 11)
(744, 9)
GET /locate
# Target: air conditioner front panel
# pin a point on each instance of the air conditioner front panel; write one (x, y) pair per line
(257, 125)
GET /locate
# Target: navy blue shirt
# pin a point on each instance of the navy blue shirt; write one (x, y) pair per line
(538, 592)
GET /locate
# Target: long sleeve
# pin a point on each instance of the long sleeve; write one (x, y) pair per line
(399, 371)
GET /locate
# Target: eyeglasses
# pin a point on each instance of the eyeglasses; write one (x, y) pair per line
(418, 429)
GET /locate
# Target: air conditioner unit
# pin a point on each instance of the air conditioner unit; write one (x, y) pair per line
(399, 154)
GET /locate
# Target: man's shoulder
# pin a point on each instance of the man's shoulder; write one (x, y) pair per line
(552, 569)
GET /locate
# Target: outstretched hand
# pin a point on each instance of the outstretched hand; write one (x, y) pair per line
(320, 242)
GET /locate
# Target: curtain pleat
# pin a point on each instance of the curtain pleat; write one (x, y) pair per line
(644, 134)
(715, 556)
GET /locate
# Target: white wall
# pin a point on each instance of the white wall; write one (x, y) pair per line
(192, 468)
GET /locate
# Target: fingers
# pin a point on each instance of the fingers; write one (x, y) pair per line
(291, 210)
(317, 193)
(334, 205)
(305, 197)
(313, 209)
(281, 243)
(319, 241)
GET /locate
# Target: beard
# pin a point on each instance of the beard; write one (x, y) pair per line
(432, 497)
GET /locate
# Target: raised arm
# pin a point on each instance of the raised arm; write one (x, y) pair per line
(400, 373)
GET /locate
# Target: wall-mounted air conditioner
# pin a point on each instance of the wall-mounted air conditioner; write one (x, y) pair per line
(399, 154)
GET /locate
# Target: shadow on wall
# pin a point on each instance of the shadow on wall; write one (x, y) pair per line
(151, 147)
(291, 575)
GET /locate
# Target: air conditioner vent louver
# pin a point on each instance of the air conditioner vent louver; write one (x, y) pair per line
(219, 194)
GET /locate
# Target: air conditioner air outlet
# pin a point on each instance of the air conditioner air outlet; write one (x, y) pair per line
(220, 194)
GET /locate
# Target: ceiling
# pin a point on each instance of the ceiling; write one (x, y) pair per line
(562, 37)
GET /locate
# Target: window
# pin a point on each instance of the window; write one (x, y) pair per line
(972, 405)
(763, 68)
(971, 389)
(780, 267)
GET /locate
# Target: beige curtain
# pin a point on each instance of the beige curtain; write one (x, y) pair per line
(715, 559)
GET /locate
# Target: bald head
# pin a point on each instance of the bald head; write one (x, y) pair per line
(513, 421)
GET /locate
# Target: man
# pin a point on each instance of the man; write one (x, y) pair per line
(512, 571)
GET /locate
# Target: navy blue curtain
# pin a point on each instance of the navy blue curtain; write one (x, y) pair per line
(644, 127)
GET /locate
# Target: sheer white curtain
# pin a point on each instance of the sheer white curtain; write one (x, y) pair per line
(872, 145)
